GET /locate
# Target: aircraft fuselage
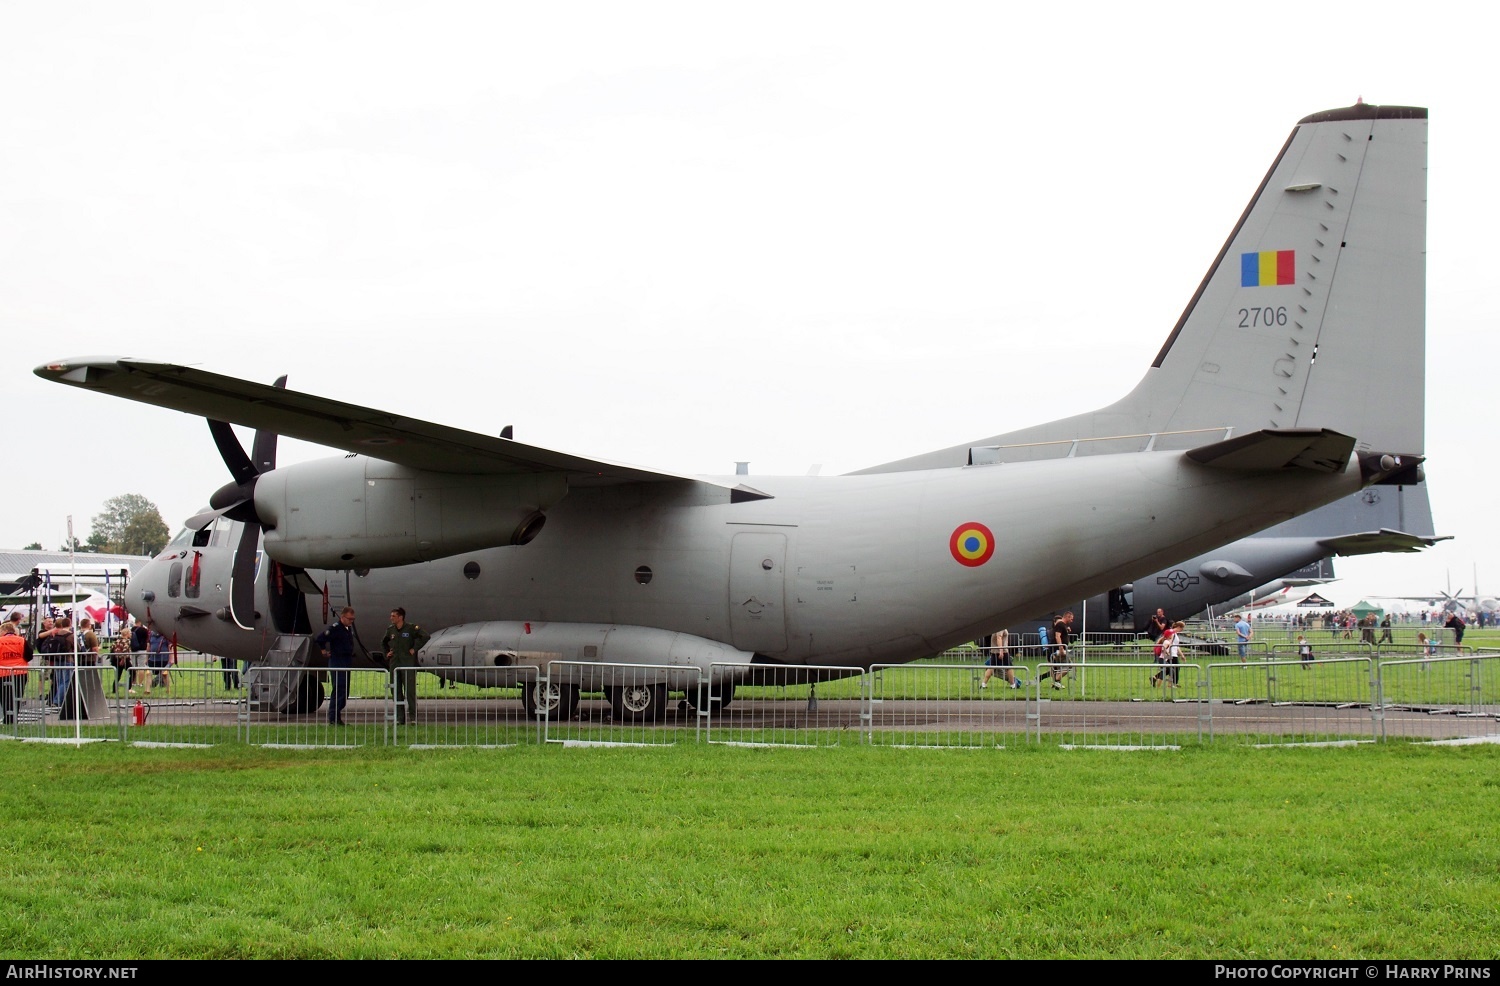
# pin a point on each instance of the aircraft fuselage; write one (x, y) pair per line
(841, 570)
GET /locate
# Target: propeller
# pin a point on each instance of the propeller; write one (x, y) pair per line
(236, 500)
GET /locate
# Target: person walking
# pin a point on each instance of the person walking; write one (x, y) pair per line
(338, 641)
(1173, 655)
(1062, 635)
(401, 642)
(999, 657)
(1164, 647)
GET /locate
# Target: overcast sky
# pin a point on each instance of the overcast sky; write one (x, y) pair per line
(685, 235)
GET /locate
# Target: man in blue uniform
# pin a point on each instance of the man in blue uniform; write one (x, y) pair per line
(338, 643)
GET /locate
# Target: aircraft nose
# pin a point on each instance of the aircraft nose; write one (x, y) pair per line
(147, 586)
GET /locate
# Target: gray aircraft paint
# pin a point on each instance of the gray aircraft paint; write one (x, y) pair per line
(869, 567)
(1376, 519)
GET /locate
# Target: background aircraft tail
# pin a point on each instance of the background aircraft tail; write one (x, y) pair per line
(1313, 315)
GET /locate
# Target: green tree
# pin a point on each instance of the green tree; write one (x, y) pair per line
(130, 524)
(33, 546)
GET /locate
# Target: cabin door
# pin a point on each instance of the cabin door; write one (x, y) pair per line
(757, 591)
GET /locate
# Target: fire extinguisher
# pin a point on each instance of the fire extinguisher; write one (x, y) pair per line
(139, 713)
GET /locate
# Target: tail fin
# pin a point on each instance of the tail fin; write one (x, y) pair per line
(1313, 315)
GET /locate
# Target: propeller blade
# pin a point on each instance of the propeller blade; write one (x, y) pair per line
(232, 452)
(237, 502)
(242, 577)
(263, 450)
(198, 522)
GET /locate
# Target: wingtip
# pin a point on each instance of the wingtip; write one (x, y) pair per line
(59, 369)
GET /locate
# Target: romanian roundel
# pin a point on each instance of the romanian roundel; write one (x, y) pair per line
(972, 544)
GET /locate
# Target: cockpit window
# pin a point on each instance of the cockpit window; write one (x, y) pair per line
(195, 575)
(183, 537)
(174, 580)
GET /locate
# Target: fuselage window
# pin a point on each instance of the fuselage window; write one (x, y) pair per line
(174, 580)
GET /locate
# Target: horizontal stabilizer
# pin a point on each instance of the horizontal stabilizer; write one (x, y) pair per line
(1383, 540)
(1317, 449)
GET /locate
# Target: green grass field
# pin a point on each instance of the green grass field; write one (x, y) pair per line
(699, 851)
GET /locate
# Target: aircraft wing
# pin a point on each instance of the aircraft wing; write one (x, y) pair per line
(361, 430)
(1383, 540)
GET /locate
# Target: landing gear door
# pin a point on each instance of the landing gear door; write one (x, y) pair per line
(757, 592)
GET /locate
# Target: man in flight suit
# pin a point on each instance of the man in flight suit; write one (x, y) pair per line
(402, 640)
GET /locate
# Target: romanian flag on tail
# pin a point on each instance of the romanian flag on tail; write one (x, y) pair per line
(1268, 268)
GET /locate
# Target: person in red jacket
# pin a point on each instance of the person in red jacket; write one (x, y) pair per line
(15, 664)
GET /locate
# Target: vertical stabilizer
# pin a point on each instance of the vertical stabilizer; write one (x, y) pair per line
(1312, 315)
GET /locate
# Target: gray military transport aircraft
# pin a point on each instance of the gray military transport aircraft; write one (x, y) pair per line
(1285, 385)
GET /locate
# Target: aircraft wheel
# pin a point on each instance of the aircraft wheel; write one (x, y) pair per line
(721, 696)
(556, 701)
(309, 695)
(638, 703)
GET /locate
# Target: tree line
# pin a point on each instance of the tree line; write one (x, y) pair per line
(128, 524)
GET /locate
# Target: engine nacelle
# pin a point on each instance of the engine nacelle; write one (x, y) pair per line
(359, 512)
(486, 651)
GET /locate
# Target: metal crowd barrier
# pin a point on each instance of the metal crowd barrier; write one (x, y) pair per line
(1330, 700)
(1118, 705)
(592, 704)
(944, 706)
(1334, 697)
(812, 706)
(454, 713)
(1441, 699)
